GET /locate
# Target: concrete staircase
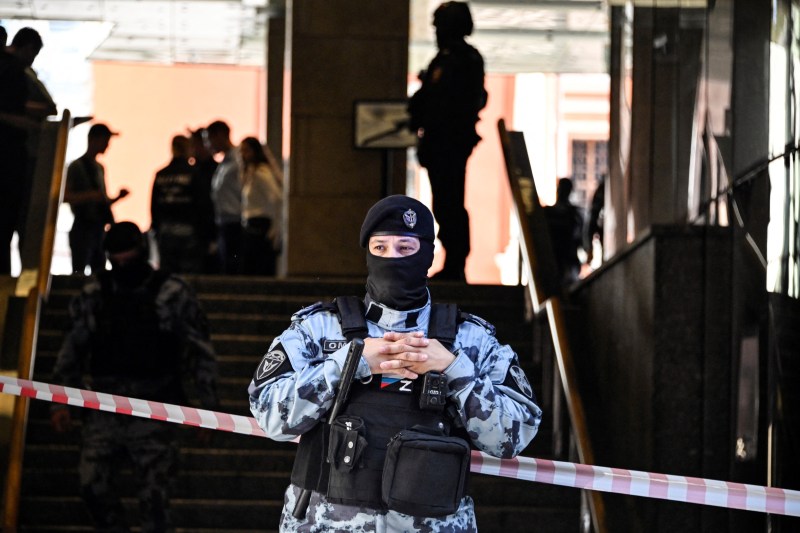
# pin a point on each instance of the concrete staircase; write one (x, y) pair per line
(235, 484)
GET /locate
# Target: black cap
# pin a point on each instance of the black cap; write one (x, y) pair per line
(398, 215)
(123, 237)
(101, 130)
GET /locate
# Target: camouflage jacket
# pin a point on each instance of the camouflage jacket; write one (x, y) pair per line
(178, 314)
(290, 395)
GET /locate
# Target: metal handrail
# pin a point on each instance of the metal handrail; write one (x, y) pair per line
(35, 286)
(545, 298)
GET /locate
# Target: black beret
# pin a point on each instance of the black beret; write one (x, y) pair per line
(397, 215)
(122, 237)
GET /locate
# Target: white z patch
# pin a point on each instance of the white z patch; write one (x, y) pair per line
(406, 385)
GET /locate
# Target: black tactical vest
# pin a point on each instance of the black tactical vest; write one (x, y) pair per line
(383, 414)
(130, 345)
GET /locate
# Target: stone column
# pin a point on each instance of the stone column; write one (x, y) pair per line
(336, 54)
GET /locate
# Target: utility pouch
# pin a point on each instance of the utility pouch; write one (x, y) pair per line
(347, 443)
(348, 480)
(425, 473)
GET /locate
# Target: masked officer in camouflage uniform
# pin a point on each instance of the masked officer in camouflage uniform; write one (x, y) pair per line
(136, 332)
(349, 466)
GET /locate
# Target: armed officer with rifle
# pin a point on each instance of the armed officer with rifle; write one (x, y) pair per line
(389, 394)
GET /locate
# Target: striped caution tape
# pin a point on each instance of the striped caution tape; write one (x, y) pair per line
(635, 483)
(615, 480)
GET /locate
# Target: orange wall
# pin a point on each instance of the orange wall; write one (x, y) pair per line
(488, 197)
(149, 104)
(488, 194)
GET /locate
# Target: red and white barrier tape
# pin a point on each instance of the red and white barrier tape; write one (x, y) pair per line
(616, 480)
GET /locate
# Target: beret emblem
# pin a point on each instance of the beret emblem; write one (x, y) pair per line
(410, 219)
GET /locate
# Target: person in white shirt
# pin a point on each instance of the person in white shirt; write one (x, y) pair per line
(262, 202)
(226, 194)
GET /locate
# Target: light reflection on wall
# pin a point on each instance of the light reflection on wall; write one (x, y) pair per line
(783, 241)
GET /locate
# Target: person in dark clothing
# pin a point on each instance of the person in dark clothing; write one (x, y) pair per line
(135, 333)
(85, 191)
(444, 112)
(177, 204)
(15, 125)
(594, 225)
(203, 168)
(565, 224)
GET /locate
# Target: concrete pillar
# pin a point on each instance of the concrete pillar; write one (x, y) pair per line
(336, 54)
(276, 49)
(667, 59)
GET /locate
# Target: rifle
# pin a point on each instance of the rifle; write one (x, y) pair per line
(348, 371)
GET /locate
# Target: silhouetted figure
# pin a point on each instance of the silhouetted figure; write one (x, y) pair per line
(565, 224)
(444, 112)
(85, 192)
(594, 224)
(136, 332)
(26, 45)
(226, 193)
(262, 203)
(177, 207)
(14, 127)
(203, 167)
(3, 37)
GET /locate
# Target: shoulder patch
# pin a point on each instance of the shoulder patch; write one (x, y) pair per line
(478, 321)
(518, 381)
(274, 363)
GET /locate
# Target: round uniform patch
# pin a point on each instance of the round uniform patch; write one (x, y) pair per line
(271, 362)
(521, 381)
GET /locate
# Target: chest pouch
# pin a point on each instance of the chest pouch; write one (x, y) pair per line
(425, 473)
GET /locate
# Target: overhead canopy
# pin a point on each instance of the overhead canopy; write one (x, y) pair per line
(513, 35)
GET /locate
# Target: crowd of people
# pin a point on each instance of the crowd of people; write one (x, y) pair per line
(215, 207)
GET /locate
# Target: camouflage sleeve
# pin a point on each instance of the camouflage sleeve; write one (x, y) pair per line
(192, 326)
(494, 398)
(295, 383)
(69, 367)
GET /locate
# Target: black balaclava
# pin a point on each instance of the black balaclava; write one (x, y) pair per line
(133, 273)
(125, 237)
(399, 282)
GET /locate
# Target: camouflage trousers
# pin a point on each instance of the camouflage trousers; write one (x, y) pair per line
(323, 515)
(111, 442)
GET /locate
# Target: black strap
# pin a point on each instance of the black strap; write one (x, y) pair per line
(443, 324)
(351, 316)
